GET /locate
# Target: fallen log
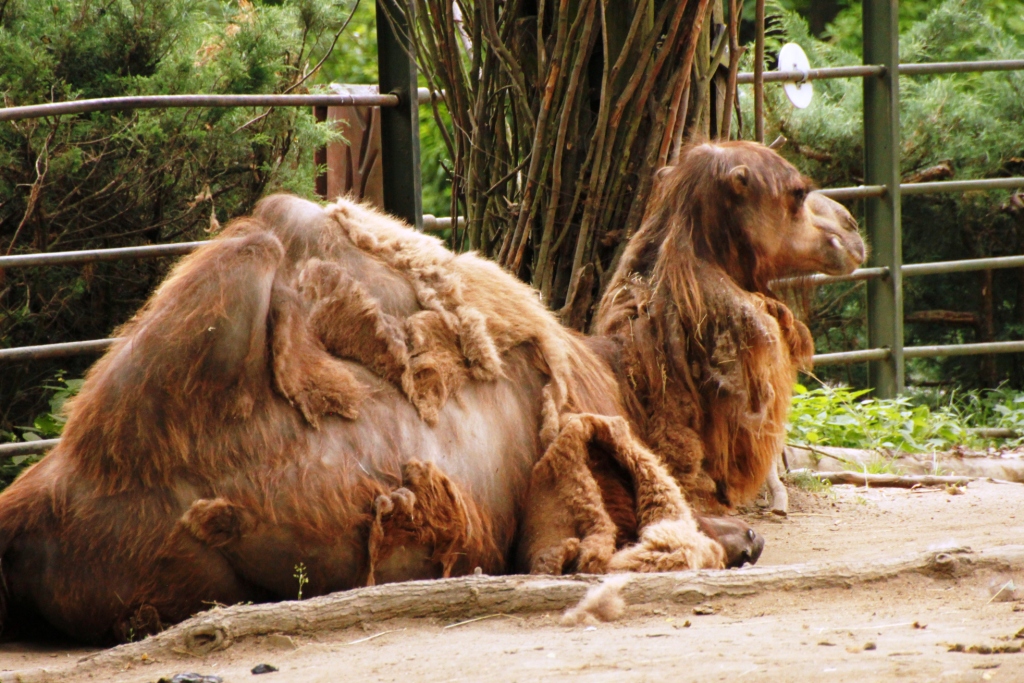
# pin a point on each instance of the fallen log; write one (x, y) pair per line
(472, 596)
(907, 481)
(1006, 466)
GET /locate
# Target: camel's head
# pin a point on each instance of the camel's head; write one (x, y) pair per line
(742, 207)
(827, 241)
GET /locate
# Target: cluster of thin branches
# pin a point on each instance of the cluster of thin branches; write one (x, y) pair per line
(558, 114)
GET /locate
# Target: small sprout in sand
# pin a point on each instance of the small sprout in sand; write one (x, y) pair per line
(301, 576)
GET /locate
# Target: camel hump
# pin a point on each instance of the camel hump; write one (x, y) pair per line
(299, 223)
(199, 348)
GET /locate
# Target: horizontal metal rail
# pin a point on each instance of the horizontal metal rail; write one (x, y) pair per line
(359, 98)
(855, 276)
(865, 191)
(846, 357)
(80, 348)
(860, 192)
(11, 450)
(36, 111)
(64, 258)
(939, 267)
(937, 351)
(962, 185)
(814, 74)
(912, 269)
(934, 351)
(961, 67)
(863, 71)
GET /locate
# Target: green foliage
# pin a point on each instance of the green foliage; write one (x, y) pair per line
(974, 122)
(921, 421)
(809, 482)
(46, 425)
(50, 424)
(834, 416)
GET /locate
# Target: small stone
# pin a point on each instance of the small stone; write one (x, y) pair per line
(870, 646)
(191, 678)
(919, 625)
(703, 610)
(263, 669)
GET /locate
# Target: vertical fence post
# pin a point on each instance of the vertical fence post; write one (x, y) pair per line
(399, 126)
(882, 214)
(759, 71)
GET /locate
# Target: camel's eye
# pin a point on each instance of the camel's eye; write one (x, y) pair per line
(799, 195)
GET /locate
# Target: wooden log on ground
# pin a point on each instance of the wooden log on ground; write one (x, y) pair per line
(472, 596)
(888, 480)
(1005, 466)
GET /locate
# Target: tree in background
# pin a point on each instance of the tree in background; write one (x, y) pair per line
(560, 112)
(115, 179)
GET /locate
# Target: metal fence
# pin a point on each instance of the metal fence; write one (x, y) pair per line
(399, 100)
(882, 193)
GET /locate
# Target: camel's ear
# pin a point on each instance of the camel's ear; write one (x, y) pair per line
(739, 178)
(663, 172)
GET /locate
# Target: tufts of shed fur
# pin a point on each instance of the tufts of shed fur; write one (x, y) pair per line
(471, 312)
(602, 603)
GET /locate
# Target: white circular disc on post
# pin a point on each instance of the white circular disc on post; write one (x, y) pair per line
(792, 58)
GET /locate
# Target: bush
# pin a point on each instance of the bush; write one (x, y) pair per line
(921, 421)
(125, 178)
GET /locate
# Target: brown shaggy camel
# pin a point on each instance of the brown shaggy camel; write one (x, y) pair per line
(326, 386)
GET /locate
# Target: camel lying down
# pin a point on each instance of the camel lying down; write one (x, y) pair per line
(327, 387)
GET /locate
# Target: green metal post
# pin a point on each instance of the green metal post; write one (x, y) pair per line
(882, 214)
(399, 126)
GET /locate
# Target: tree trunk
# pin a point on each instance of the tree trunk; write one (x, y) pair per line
(561, 111)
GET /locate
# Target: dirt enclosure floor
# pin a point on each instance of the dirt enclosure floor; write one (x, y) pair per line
(854, 585)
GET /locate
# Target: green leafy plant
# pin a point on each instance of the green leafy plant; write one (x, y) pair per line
(839, 416)
(301, 576)
(920, 421)
(49, 425)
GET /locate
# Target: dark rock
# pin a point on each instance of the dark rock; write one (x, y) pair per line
(263, 669)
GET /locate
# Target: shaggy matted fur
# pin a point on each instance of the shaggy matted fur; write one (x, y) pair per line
(329, 387)
(708, 354)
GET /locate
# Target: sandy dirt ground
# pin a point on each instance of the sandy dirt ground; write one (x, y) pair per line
(904, 628)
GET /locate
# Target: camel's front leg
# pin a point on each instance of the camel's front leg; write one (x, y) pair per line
(566, 525)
